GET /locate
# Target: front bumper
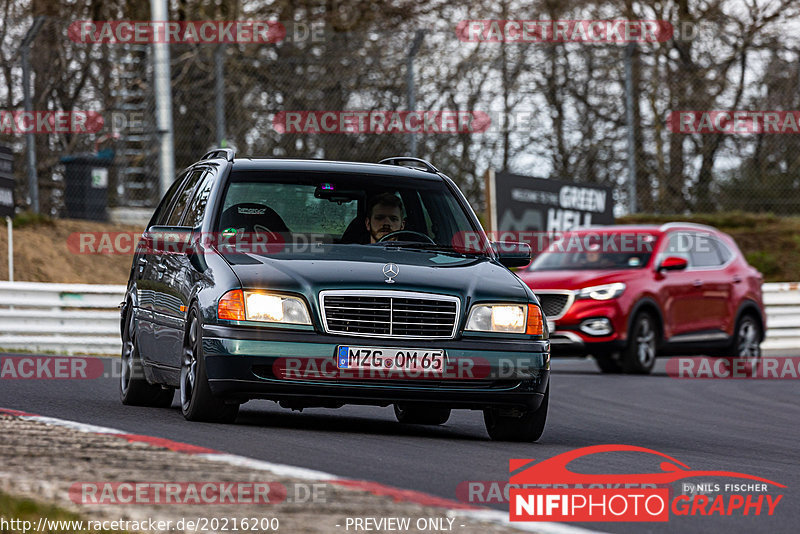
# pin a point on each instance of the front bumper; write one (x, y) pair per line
(567, 338)
(240, 364)
(571, 343)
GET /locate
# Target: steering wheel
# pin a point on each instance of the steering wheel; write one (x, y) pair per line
(412, 233)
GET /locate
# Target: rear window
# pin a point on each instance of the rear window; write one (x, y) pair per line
(294, 204)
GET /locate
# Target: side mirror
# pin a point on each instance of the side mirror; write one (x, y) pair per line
(512, 254)
(168, 239)
(673, 263)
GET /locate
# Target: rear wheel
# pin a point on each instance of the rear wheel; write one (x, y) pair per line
(527, 427)
(197, 401)
(639, 356)
(421, 415)
(747, 341)
(134, 389)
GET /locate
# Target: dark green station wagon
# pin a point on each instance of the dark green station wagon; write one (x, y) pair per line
(324, 283)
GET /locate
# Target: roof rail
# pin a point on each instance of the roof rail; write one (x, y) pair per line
(226, 153)
(399, 159)
(669, 225)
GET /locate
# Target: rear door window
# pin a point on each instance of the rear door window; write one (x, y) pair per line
(162, 211)
(704, 252)
(183, 197)
(197, 207)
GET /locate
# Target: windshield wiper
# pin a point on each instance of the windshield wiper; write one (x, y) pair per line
(416, 245)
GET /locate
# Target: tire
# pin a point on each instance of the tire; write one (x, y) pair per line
(134, 389)
(747, 340)
(639, 355)
(420, 415)
(607, 363)
(527, 428)
(197, 401)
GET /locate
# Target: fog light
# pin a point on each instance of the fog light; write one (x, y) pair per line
(597, 327)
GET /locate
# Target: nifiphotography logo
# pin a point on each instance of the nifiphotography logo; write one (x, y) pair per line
(549, 491)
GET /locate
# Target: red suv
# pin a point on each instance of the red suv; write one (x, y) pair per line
(626, 294)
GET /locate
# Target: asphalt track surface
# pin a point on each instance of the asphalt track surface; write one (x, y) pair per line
(748, 426)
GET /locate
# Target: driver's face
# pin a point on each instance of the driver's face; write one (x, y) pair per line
(384, 220)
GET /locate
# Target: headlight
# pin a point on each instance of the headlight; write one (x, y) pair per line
(604, 292)
(513, 318)
(263, 306)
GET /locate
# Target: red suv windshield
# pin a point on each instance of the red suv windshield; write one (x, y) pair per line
(592, 251)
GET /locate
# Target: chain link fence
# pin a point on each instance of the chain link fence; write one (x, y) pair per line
(587, 112)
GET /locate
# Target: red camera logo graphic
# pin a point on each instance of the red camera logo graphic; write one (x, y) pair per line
(622, 503)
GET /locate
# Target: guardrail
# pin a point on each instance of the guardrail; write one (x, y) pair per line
(62, 318)
(782, 303)
(84, 318)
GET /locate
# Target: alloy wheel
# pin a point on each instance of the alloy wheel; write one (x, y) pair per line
(645, 342)
(126, 373)
(189, 365)
(748, 346)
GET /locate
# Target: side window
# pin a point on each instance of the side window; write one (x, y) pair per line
(183, 198)
(704, 252)
(725, 253)
(197, 207)
(160, 215)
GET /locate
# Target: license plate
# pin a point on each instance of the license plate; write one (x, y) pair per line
(551, 325)
(368, 358)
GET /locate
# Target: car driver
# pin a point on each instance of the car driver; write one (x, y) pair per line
(384, 216)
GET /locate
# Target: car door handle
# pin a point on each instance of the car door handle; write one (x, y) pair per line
(737, 279)
(697, 283)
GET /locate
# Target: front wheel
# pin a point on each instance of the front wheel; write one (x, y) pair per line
(639, 355)
(197, 401)
(134, 389)
(420, 415)
(528, 427)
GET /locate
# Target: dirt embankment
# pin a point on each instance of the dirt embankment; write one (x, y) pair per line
(42, 253)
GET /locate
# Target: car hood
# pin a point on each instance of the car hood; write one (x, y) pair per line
(576, 279)
(361, 267)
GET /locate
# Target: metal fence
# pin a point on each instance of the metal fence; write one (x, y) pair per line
(577, 111)
(60, 318)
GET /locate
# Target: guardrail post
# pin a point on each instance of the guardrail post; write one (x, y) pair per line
(10, 249)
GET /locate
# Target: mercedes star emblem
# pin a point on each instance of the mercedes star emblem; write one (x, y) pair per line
(390, 270)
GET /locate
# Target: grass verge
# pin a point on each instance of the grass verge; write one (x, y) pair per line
(16, 511)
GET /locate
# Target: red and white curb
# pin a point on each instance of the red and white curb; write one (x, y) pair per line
(456, 509)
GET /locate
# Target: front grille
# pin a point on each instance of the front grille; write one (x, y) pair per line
(553, 304)
(390, 315)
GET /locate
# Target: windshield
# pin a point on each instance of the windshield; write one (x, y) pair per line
(596, 252)
(342, 209)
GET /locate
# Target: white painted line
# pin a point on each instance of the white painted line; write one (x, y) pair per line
(74, 425)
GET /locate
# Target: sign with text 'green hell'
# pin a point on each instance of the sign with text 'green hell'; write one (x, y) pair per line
(523, 203)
